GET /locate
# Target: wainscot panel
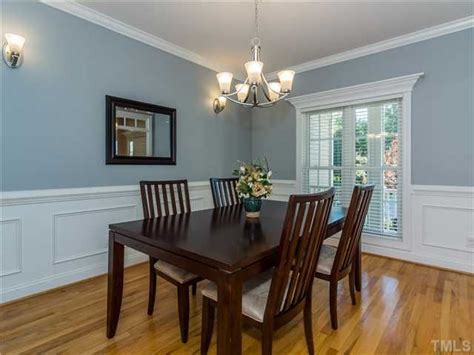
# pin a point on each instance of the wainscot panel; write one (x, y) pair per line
(54, 237)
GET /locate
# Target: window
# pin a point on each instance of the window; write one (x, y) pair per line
(358, 144)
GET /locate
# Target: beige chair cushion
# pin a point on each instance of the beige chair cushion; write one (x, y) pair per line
(254, 294)
(326, 259)
(176, 273)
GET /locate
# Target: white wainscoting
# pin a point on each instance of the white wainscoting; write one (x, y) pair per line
(51, 238)
(441, 231)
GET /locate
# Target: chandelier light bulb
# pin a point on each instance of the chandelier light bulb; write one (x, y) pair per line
(286, 80)
(225, 81)
(274, 90)
(254, 71)
(242, 91)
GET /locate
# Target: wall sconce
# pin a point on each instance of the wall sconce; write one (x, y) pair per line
(219, 104)
(13, 50)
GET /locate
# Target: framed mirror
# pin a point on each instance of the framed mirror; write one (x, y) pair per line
(139, 133)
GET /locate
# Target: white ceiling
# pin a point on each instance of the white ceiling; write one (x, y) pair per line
(291, 32)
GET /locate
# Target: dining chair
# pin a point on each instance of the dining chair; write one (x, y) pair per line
(336, 263)
(273, 298)
(164, 198)
(224, 192)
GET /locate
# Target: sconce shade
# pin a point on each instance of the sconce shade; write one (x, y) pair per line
(15, 42)
(13, 50)
(225, 81)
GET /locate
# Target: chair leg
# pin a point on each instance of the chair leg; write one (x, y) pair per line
(267, 339)
(193, 289)
(207, 324)
(352, 277)
(333, 303)
(308, 324)
(152, 286)
(183, 310)
(358, 269)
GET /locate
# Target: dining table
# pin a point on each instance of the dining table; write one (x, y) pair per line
(219, 244)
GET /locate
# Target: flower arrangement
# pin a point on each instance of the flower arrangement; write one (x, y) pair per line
(254, 180)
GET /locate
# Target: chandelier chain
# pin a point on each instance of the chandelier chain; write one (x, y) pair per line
(256, 19)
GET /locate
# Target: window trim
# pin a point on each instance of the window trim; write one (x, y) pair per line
(398, 87)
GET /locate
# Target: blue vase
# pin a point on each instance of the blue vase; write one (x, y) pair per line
(252, 206)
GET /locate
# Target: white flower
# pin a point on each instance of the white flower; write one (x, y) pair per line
(269, 173)
(242, 169)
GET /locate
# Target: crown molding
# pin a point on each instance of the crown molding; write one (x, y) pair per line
(73, 8)
(98, 18)
(372, 91)
(418, 36)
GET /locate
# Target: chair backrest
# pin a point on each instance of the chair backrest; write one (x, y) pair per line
(303, 233)
(224, 192)
(164, 198)
(353, 225)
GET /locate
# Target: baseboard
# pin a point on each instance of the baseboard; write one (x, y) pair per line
(58, 280)
(427, 260)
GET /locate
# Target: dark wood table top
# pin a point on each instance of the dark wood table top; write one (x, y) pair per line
(220, 237)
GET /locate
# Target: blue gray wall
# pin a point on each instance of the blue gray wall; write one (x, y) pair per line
(53, 107)
(442, 108)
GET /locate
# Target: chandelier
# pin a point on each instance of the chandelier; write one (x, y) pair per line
(247, 93)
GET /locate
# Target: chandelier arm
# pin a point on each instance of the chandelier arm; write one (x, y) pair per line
(267, 96)
(246, 97)
(271, 103)
(246, 104)
(264, 79)
(254, 95)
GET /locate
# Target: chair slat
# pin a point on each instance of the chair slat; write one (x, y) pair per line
(173, 199)
(150, 201)
(187, 200)
(230, 188)
(295, 241)
(180, 199)
(146, 210)
(158, 200)
(165, 199)
(302, 262)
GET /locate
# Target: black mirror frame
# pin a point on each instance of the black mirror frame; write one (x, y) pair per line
(111, 103)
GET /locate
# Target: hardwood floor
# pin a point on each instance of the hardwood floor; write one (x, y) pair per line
(403, 308)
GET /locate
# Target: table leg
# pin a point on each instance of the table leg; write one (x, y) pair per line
(229, 315)
(358, 268)
(114, 284)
